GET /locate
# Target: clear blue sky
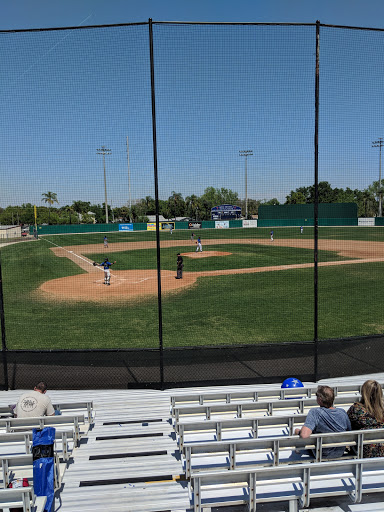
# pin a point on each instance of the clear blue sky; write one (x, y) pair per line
(218, 90)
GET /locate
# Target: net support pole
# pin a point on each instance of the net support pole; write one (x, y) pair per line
(155, 173)
(3, 337)
(316, 203)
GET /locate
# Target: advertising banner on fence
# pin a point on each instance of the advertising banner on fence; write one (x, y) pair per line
(167, 225)
(368, 221)
(125, 227)
(151, 226)
(194, 225)
(222, 224)
(252, 223)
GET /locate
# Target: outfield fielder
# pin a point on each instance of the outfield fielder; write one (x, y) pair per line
(107, 273)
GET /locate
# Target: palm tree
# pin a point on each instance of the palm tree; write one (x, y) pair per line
(50, 198)
(176, 204)
(192, 202)
(69, 209)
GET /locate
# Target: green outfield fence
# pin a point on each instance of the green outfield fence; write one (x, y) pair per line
(172, 119)
(141, 226)
(104, 228)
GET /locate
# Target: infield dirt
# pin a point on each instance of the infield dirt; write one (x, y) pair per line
(131, 284)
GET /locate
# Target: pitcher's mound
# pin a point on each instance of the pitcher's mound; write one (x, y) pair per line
(205, 254)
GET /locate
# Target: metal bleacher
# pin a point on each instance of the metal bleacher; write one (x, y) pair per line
(257, 403)
(244, 417)
(275, 451)
(85, 408)
(16, 459)
(296, 484)
(256, 395)
(23, 498)
(131, 458)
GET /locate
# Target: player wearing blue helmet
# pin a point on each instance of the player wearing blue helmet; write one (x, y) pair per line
(107, 273)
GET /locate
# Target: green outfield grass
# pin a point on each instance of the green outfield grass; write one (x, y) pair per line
(245, 308)
(243, 256)
(340, 233)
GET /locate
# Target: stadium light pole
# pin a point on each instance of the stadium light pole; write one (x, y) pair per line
(103, 151)
(129, 176)
(246, 153)
(378, 144)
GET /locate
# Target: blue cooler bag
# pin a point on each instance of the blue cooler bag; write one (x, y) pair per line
(43, 464)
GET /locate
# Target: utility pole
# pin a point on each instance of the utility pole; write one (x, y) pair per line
(103, 151)
(246, 153)
(378, 144)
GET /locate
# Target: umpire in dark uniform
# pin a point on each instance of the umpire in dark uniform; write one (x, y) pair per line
(180, 266)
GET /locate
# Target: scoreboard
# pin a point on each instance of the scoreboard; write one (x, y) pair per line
(225, 212)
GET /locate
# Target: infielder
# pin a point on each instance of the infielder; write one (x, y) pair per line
(199, 246)
(105, 242)
(271, 235)
(107, 273)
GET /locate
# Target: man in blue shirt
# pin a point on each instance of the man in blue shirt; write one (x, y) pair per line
(325, 418)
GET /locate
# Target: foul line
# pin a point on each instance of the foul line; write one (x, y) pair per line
(71, 252)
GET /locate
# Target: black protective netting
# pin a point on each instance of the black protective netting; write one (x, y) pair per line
(93, 149)
(221, 90)
(350, 122)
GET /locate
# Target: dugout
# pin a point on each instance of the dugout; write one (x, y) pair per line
(329, 214)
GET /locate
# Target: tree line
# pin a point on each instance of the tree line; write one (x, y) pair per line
(192, 207)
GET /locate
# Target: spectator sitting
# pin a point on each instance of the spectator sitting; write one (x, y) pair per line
(369, 413)
(35, 403)
(324, 419)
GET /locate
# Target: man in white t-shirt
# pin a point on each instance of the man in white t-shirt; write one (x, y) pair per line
(35, 403)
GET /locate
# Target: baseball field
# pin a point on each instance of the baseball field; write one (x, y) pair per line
(243, 288)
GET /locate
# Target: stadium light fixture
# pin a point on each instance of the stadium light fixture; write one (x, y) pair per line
(103, 151)
(246, 153)
(378, 144)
